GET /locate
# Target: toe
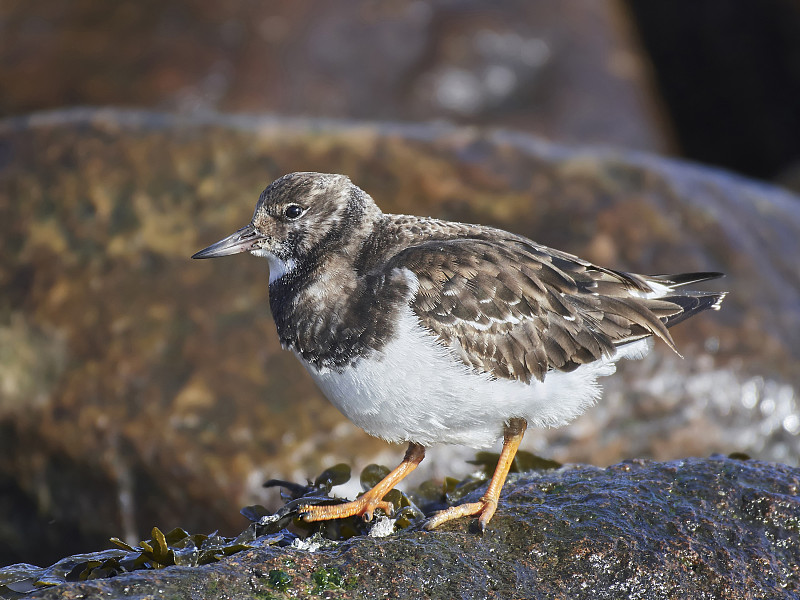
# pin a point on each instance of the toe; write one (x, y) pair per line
(454, 512)
(487, 513)
(387, 507)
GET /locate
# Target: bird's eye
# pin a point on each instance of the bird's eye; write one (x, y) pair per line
(293, 211)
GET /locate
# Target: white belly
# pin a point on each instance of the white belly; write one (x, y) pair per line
(416, 390)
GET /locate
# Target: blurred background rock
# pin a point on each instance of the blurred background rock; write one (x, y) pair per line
(138, 388)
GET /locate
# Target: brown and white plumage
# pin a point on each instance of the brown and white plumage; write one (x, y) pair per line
(516, 309)
(429, 331)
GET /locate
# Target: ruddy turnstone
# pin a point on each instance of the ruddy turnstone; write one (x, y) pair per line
(426, 331)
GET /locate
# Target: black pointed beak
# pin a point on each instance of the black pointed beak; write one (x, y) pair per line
(242, 241)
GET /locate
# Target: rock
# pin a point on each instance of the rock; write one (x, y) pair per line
(141, 388)
(694, 528)
(568, 72)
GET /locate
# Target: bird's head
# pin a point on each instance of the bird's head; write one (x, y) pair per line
(298, 217)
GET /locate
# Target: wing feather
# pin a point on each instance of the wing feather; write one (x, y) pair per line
(516, 310)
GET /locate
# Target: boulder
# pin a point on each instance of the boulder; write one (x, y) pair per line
(141, 388)
(696, 528)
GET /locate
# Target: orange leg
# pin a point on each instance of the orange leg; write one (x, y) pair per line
(485, 507)
(366, 504)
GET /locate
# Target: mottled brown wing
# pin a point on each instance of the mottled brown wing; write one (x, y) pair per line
(516, 310)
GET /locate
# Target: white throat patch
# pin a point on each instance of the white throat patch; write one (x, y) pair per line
(277, 266)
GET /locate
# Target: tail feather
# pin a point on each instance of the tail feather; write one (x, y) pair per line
(692, 303)
(681, 279)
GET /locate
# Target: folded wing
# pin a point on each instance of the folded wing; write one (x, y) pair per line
(517, 310)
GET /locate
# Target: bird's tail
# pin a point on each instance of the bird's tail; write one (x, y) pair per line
(682, 279)
(690, 301)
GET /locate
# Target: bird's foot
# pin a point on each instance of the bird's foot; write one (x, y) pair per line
(485, 507)
(366, 505)
(363, 506)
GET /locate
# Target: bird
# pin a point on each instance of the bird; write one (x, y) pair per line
(425, 331)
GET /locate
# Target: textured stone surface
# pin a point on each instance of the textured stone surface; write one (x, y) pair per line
(567, 70)
(141, 388)
(716, 528)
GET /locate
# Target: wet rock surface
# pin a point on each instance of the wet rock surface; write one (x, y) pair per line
(141, 388)
(695, 528)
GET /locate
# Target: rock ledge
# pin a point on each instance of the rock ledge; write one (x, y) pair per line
(694, 528)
